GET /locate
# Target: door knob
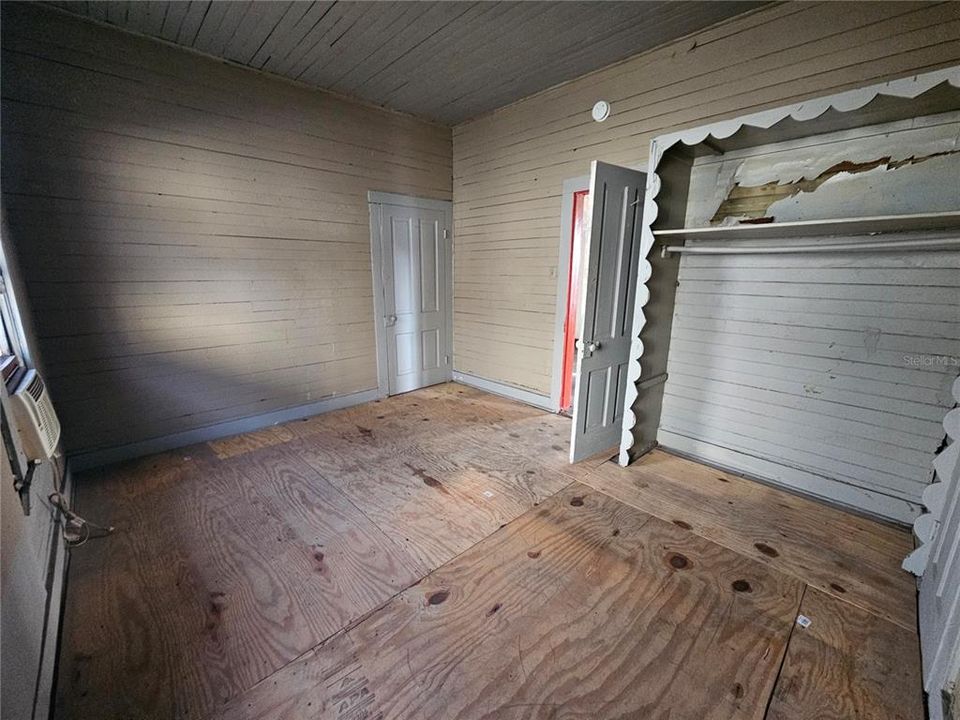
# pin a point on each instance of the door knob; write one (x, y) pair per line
(391, 320)
(588, 349)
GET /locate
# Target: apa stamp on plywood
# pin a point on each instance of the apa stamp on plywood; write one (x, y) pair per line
(351, 698)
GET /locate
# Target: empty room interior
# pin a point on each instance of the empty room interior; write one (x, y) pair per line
(480, 360)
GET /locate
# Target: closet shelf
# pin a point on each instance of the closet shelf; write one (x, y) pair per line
(880, 224)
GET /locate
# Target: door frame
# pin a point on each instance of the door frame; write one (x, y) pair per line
(570, 187)
(375, 201)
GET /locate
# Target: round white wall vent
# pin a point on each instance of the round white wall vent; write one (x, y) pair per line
(601, 111)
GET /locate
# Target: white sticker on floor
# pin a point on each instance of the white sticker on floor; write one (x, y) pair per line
(803, 621)
(487, 494)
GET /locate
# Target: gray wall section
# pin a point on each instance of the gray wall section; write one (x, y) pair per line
(194, 237)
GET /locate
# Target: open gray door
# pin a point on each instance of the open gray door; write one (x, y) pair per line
(610, 279)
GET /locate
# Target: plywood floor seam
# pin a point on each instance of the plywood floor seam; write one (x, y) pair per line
(433, 555)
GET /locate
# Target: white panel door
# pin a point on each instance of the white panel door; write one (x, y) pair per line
(415, 274)
(610, 279)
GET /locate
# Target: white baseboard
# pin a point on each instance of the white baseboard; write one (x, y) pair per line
(544, 402)
(858, 500)
(96, 458)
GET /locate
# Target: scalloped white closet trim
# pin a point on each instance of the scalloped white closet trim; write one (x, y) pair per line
(848, 101)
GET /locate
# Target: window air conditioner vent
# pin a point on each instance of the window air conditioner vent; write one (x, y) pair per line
(35, 418)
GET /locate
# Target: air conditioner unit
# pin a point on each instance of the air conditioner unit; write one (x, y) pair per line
(34, 417)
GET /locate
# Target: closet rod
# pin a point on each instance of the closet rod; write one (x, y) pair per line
(844, 247)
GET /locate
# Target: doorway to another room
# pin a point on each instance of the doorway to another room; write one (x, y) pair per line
(579, 218)
(412, 291)
(599, 253)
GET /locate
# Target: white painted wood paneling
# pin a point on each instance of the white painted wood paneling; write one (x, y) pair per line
(509, 166)
(939, 611)
(851, 391)
(194, 237)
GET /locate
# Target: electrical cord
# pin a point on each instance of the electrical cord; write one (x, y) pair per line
(75, 529)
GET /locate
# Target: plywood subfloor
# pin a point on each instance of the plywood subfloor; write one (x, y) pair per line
(433, 556)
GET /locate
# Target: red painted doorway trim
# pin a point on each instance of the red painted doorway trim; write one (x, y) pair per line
(581, 203)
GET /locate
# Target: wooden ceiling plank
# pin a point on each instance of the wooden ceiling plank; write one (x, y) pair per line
(135, 16)
(458, 55)
(190, 26)
(173, 21)
(505, 89)
(156, 15)
(452, 49)
(360, 47)
(444, 61)
(341, 33)
(116, 11)
(507, 60)
(397, 28)
(432, 22)
(280, 35)
(229, 26)
(253, 31)
(215, 14)
(307, 33)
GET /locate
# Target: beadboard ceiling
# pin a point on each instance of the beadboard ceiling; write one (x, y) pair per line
(444, 61)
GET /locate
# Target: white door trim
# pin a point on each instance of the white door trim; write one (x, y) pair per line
(376, 201)
(570, 186)
(385, 198)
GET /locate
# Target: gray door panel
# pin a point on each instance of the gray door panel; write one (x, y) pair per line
(603, 351)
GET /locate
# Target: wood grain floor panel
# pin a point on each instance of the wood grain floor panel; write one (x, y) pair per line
(582, 608)
(248, 442)
(217, 576)
(434, 555)
(433, 514)
(848, 665)
(842, 554)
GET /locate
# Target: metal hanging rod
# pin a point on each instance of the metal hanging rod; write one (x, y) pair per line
(840, 247)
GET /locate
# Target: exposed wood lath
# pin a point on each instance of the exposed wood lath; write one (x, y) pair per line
(750, 203)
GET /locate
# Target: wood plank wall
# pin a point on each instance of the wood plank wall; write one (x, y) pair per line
(817, 366)
(509, 166)
(194, 237)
